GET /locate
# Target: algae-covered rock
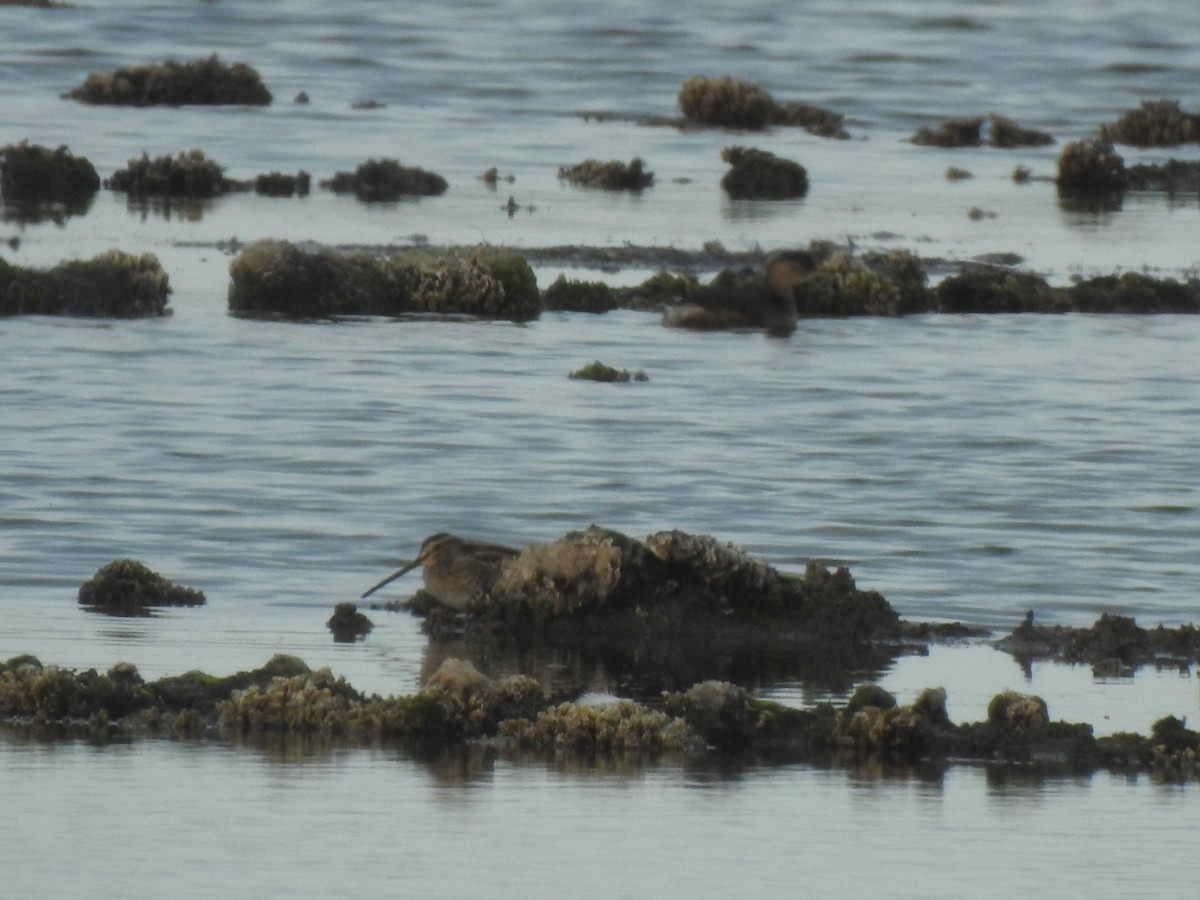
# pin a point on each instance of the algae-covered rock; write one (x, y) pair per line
(725, 715)
(126, 587)
(1017, 710)
(1155, 123)
(969, 131)
(759, 175)
(728, 102)
(199, 82)
(612, 175)
(348, 624)
(387, 180)
(991, 289)
(1110, 639)
(845, 286)
(50, 694)
(280, 184)
(1091, 165)
(1133, 292)
(111, 285)
(569, 295)
(32, 173)
(188, 174)
(277, 278)
(598, 371)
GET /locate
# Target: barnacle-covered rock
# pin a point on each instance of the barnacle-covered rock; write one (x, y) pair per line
(1155, 123)
(1133, 292)
(845, 286)
(725, 715)
(112, 284)
(46, 694)
(278, 278)
(758, 175)
(199, 82)
(612, 175)
(969, 131)
(387, 180)
(1110, 638)
(1016, 710)
(890, 730)
(727, 102)
(621, 726)
(126, 587)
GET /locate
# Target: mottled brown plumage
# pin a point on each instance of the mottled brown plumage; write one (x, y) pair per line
(456, 571)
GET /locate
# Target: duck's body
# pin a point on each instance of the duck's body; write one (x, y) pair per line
(456, 571)
(766, 301)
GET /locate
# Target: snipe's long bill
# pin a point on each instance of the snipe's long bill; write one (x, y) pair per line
(456, 571)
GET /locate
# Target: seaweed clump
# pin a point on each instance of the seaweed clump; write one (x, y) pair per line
(280, 184)
(204, 82)
(31, 173)
(728, 102)
(598, 371)
(1156, 123)
(188, 174)
(845, 286)
(1112, 645)
(621, 726)
(126, 587)
(278, 278)
(995, 289)
(612, 175)
(348, 624)
(112, 284)
(384, 180)
(760, 175)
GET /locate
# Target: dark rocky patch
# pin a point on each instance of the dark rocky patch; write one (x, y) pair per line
(111, 285)
(199, 82)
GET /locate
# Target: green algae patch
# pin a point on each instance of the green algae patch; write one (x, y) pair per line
(728, 102)
(381, 180)
(32, 173)
(203, 82)
(611, 175)
(127, 587)
(112, 284)
(1133, 292)
(759, 175)
(598, 371)
(1155, 123)
(284, 280)
(844, 285)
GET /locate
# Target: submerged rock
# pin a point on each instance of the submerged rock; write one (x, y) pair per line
(758, 175)
(277, 278)
(613, 175)
(199, 82)
(279, 184)
(387, 180)
(1113, 644)
(111, 285)
(126, 587)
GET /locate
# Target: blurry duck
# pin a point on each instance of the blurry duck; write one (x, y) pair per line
(731, 301)
(457, 571)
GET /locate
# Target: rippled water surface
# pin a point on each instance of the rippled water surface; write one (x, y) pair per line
(966, 467)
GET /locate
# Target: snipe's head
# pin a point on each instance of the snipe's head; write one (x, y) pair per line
(787, 268)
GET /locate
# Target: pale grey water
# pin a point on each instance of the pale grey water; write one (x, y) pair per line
(966, 467)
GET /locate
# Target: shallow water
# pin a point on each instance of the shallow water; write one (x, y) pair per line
(966, 467)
